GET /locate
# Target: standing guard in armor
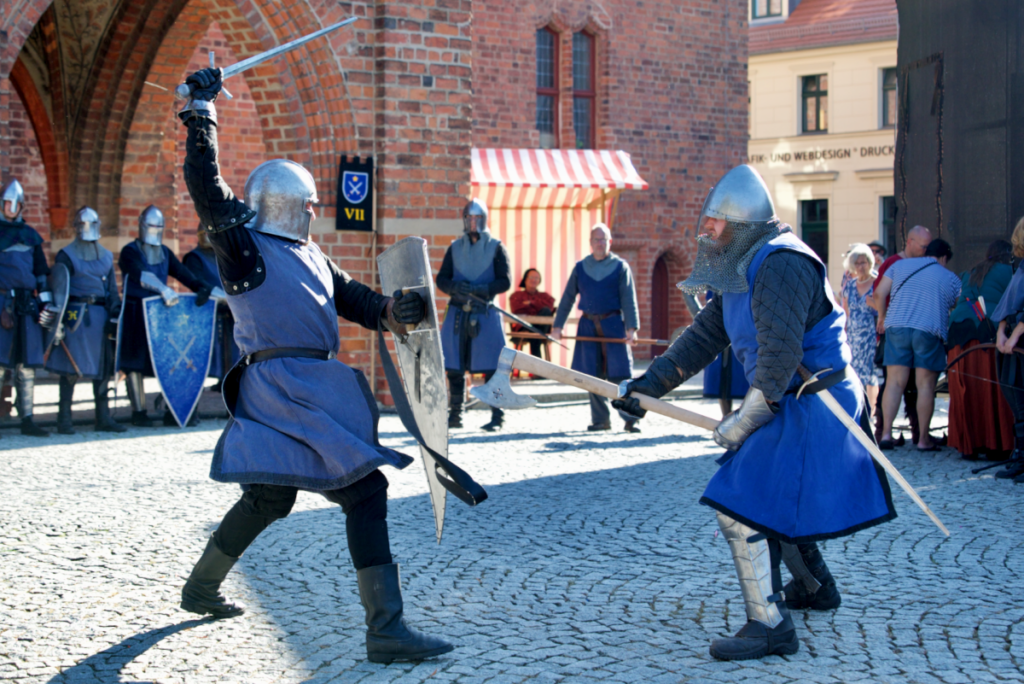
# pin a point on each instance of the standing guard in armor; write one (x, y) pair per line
(145, 265)
(607, 295)
(301, 418)
(203, 263)
(90, 323)
(474, 272)
(23, 314)
(792, 475)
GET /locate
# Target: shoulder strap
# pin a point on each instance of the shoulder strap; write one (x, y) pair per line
(931, 263)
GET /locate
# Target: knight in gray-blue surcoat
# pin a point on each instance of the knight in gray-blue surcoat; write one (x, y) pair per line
(90, 321)
(474, 271)
(26, 303)
(301, 419)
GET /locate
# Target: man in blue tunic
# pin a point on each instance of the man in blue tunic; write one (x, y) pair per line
(792, 475)
(25, 303)
(145, 265)
(474, 271)
(203, 263)
(301, 419)
(89, 322)
(607, 295)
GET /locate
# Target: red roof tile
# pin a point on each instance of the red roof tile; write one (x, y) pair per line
(823, 23)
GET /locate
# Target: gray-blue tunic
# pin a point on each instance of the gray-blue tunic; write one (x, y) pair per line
(85, 323)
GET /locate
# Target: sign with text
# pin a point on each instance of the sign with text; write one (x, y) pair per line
(355, 194)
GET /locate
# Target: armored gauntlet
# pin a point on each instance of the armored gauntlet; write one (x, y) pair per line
(754, 412)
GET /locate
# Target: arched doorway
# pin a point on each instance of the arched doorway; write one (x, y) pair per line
(659, 304)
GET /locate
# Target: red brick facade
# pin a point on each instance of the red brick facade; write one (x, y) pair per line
(415, 83)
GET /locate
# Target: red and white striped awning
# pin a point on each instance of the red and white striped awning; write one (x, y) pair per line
(536, 179)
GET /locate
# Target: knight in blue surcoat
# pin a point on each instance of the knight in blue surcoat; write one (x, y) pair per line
(90, 322)
(26, 303)
(607, 293)
(145, 265)
(792, 474)
(474, 271)
(203, 263)
(301, 419)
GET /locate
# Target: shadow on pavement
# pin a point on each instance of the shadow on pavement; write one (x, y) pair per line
(105, 667)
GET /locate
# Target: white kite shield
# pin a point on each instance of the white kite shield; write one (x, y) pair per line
(405, 267)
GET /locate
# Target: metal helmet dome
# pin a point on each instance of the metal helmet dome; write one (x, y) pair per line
(151, 226)
(474, 214)
(279, 191)
(740, 195)
(14, 193)
(87, 224)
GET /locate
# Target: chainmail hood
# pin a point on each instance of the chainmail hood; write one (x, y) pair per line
(723, 268)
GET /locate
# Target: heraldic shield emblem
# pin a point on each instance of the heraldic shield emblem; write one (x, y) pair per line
(355, 185)
(180, 339)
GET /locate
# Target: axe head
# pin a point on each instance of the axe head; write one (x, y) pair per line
(498, 392)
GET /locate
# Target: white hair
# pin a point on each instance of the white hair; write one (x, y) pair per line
(859, 249)
(603, 227)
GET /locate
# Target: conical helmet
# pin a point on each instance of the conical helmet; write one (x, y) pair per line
(151, 226)
(280, 192)
(14, 193)
(740, 196)
(87, 225)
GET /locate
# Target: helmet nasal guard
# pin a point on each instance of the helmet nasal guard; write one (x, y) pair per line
(87, 225)
(279, 191)
(151, 226)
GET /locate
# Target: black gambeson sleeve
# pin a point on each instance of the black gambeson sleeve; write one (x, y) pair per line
(183, 274)
(354, 301)
(39, 266)
(447, 273)
(217, 206)
(63, 258)
(502, 280)
(698, 346)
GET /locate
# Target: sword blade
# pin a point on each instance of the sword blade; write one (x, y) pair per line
(516, 319)
(847, 420)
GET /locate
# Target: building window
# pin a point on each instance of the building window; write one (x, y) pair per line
(815, 99)
(761, 9)
(583, 89)
(547, 87)
(814, 226)
(889, 107)
(887, 227)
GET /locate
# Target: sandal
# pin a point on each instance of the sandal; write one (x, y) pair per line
(886, 445)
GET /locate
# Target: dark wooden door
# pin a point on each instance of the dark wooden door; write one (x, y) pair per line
(660, 290)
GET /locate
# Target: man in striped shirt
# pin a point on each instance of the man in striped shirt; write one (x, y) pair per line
(921, 292)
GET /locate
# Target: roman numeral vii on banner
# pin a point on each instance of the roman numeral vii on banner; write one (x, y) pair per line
(355, 194)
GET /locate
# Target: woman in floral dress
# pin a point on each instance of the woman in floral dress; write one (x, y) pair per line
(860, 317)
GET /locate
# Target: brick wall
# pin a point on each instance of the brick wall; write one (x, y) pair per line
(671, 91)
(26, 164)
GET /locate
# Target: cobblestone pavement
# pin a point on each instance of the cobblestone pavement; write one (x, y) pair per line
(591, 561)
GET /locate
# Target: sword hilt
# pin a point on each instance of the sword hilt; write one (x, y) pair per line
(184, 91)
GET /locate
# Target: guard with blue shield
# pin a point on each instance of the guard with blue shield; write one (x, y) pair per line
(792, 474)
(604, 284)
(474, 272)
(26, 303)
(90, 322)
(145, 265)
(301, 419)
(203, 263)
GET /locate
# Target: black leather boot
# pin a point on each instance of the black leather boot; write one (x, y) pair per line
(388, 638)
(812, 585)
(67, 390)
(201, 593)
(769, 629)
(104, 421)
(1015, 465)
(141, 419)
(28, 427)
(497, 420)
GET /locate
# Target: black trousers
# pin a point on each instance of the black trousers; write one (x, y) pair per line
(457, 389)
(364, 502)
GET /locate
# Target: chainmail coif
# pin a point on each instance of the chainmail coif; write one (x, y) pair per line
(723, 268)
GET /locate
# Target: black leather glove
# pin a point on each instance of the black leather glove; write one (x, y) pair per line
(206, 84)
(409, 308)
(631, 405)
(462, 288)
(203, 296)
(482, 291)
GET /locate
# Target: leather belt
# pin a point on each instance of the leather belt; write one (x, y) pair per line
(825, 382)
(283, 352)
(91, 299)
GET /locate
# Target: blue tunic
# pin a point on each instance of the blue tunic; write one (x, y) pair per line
(599, 297)
(485, 348)
(85, 324)
(16, 272)
(225, 351)
(298, 422)
(803, 476)
(134, 346)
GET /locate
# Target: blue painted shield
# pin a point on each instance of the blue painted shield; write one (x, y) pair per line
(355, 185)
(180, 339)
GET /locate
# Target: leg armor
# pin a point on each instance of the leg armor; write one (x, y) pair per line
(137, 398)
(769, 629)
(812, 585)
(24, 385)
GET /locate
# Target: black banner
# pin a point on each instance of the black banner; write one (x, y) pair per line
(355, 194)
